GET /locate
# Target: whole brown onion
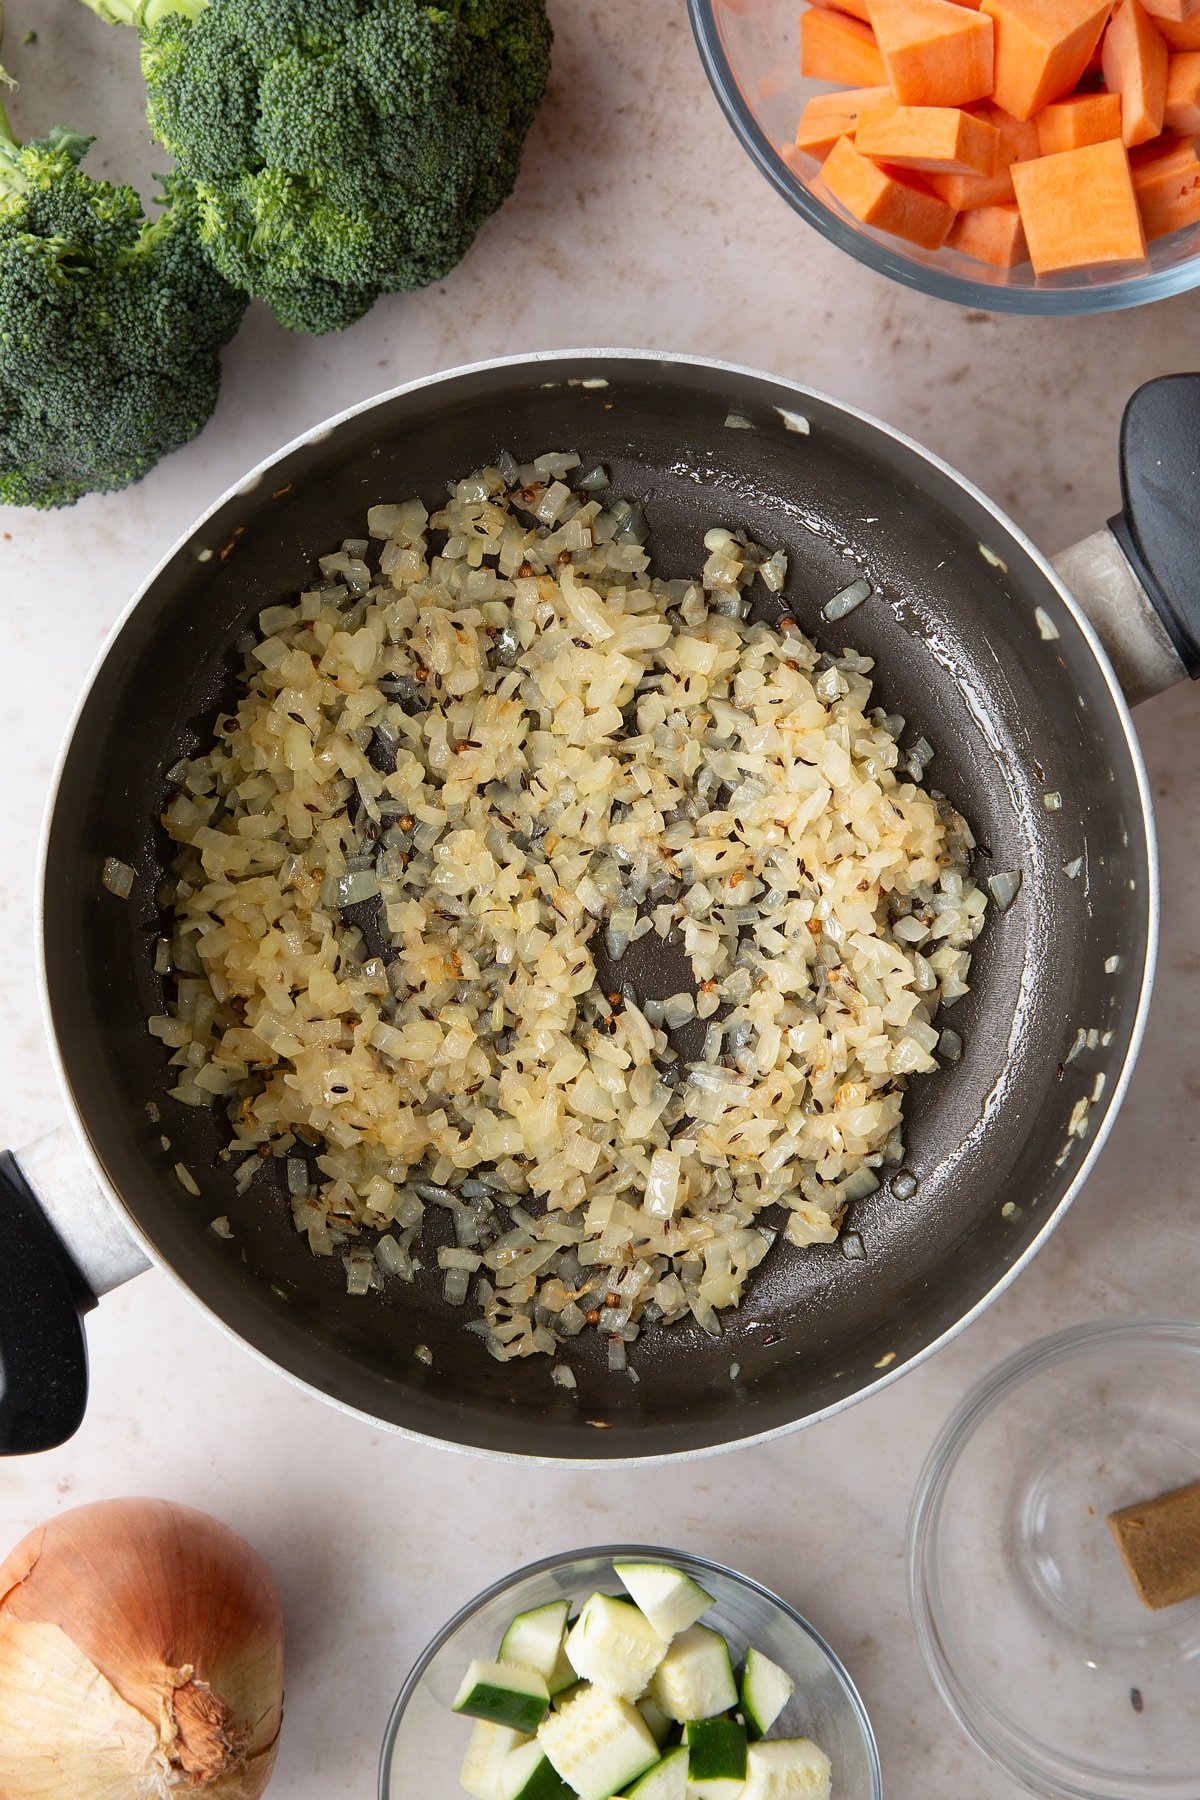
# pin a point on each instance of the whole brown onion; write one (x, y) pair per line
(141, 1656)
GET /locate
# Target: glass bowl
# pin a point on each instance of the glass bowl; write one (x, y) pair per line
(751, 53)
(1024, 1612)
(424, 1743)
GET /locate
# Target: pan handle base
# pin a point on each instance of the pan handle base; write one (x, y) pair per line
(1100, 577)
(84, 1220)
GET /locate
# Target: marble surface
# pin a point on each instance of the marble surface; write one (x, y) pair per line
(638, 221)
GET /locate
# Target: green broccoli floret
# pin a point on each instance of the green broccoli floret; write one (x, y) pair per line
(110, 326)
(340, 149)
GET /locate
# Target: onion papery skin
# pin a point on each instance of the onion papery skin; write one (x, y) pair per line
(141, 1656)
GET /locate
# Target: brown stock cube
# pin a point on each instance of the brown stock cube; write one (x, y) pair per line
(1159, 1541)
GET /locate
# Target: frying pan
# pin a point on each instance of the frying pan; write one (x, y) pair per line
(978, 643)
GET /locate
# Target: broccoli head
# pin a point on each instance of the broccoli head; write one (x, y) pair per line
(110, 326)
(340, 149)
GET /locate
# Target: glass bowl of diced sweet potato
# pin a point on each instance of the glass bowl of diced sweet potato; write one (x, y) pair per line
(1034, 156)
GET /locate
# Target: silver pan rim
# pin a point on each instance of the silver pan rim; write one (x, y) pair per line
(533, 360)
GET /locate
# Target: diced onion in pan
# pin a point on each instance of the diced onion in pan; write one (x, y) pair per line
(479, 769)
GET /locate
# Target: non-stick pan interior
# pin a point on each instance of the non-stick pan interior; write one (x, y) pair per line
(976, 649)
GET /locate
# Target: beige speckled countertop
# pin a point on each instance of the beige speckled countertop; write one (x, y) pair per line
(638, 221)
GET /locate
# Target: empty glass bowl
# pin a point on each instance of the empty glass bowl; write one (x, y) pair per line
(1024, 1611)
(751, 54)
(425, 1742)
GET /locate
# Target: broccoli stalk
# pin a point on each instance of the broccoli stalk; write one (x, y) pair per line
(340, 149)
(110, 325)
(16, 176)
(143, 13)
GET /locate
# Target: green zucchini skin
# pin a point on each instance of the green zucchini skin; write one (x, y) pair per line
(503, 1695)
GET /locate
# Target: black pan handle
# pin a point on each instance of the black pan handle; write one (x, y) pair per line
(1159, 526)
(43, 1352)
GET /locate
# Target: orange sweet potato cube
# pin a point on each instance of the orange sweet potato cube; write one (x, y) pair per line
(1179, 12)
(1134, 58)
(944, 139)
(1182, 110)
(1166, 180)
(990, 234)
(828, 117)
(856, 8)
(1077, 120)
(1079, 208)
(835, 47)
(935, 53)
(1018, 143)
(890, 199)
(1042, 49)
(1180, 34)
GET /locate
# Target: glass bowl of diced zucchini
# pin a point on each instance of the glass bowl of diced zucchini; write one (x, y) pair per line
(629, 1671)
